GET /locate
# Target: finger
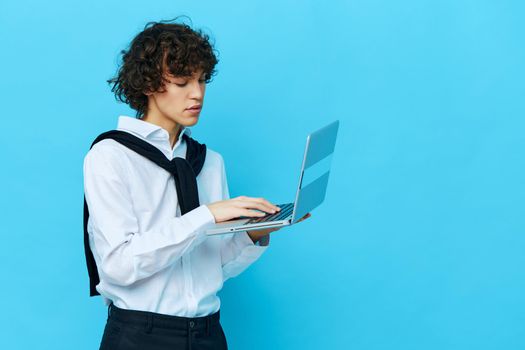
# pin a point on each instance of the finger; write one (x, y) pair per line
(269, 204)
(252, 204)
(251, 213)
(262, 201)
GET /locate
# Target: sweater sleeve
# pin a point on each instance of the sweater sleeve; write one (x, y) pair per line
(124, 254)
(237, 250)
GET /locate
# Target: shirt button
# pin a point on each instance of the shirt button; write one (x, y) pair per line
(192, 324)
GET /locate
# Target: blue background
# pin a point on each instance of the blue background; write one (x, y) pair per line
(420, 243)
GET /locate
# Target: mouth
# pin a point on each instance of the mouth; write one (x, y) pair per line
(194, 108)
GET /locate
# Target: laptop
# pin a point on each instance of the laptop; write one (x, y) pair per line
(313, 180)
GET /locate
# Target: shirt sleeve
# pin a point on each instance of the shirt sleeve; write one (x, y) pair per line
(238, 250)
(124, 254)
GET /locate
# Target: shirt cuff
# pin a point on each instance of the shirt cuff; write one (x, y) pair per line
(264, 241)
(199, 218)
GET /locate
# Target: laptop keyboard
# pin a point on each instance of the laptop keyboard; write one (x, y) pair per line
(286, 210)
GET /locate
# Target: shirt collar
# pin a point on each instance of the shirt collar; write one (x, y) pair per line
(146, 129)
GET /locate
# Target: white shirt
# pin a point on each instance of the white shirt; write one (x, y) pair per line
(148, 256)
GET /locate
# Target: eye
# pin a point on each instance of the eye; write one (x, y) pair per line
(202, 81)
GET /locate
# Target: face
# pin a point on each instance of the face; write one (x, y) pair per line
(173, 106)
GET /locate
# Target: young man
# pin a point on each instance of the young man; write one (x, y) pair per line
(155, 267)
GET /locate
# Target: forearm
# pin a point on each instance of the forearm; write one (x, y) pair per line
(142, 254)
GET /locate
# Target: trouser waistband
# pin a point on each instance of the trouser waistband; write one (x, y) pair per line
(151, 319)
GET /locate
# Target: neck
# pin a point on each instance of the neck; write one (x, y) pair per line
(170, 126)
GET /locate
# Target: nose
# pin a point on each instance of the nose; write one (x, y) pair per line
(197, 90)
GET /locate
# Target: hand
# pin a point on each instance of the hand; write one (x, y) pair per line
(241, 206)
(258, 234)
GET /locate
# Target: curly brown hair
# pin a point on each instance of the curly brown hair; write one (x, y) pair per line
(162, 47)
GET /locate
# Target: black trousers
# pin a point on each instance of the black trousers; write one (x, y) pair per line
(130, 329)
